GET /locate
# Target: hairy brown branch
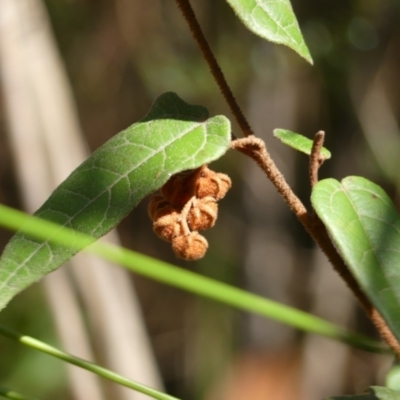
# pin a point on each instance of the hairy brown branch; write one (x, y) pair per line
(190, 17)
(316, 158)
(255, 148)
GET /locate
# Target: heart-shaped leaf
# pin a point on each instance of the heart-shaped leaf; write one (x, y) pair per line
(299, 142)
(365, 227)
(273, 20)
(173, 137)
(374, 393)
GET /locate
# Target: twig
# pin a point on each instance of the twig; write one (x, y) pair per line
(215, 69)
(255, 148)
(316, 158)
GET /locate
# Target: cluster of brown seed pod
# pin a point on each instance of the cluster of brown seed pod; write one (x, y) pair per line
(187, 205)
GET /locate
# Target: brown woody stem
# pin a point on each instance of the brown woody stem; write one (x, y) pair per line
(215, 69)
(316, 158)
(256, 149)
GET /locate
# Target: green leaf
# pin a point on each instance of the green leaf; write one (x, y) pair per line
(299, 142)
(383, 393)
(273, 20)
(392, 380)
(374, 393)
(365, 227)
(173, 137)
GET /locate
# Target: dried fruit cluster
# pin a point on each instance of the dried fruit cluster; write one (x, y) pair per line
(188, 204)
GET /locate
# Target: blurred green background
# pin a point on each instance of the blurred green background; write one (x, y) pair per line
(119, 55)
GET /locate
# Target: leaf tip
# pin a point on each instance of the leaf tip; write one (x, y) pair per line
(307, 57)
(298, 142)
(170, 106)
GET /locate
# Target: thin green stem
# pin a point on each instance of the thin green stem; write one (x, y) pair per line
(223, 293)
(10, 394)
(105, 373)
(185, 280)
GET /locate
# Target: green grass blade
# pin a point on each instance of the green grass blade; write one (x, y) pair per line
(186, 280)
(103, 372)
(365, 227)
(10, 394)
(173, 137)
(274, 21)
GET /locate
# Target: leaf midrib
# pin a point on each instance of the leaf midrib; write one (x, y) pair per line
(262, 5)
(371, 247)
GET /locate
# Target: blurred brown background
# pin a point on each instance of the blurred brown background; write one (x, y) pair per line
(117, 57)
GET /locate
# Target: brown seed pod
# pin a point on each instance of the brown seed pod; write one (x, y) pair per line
(203, 214)
(169, 226)
(212, 184)
(158, 207)
(190, 247)
(179, 188)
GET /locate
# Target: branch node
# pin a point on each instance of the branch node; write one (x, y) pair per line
(256, 149)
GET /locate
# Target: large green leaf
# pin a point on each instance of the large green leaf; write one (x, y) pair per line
(365, 227)
(174, 136)
(374, 393)
(273, 20)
